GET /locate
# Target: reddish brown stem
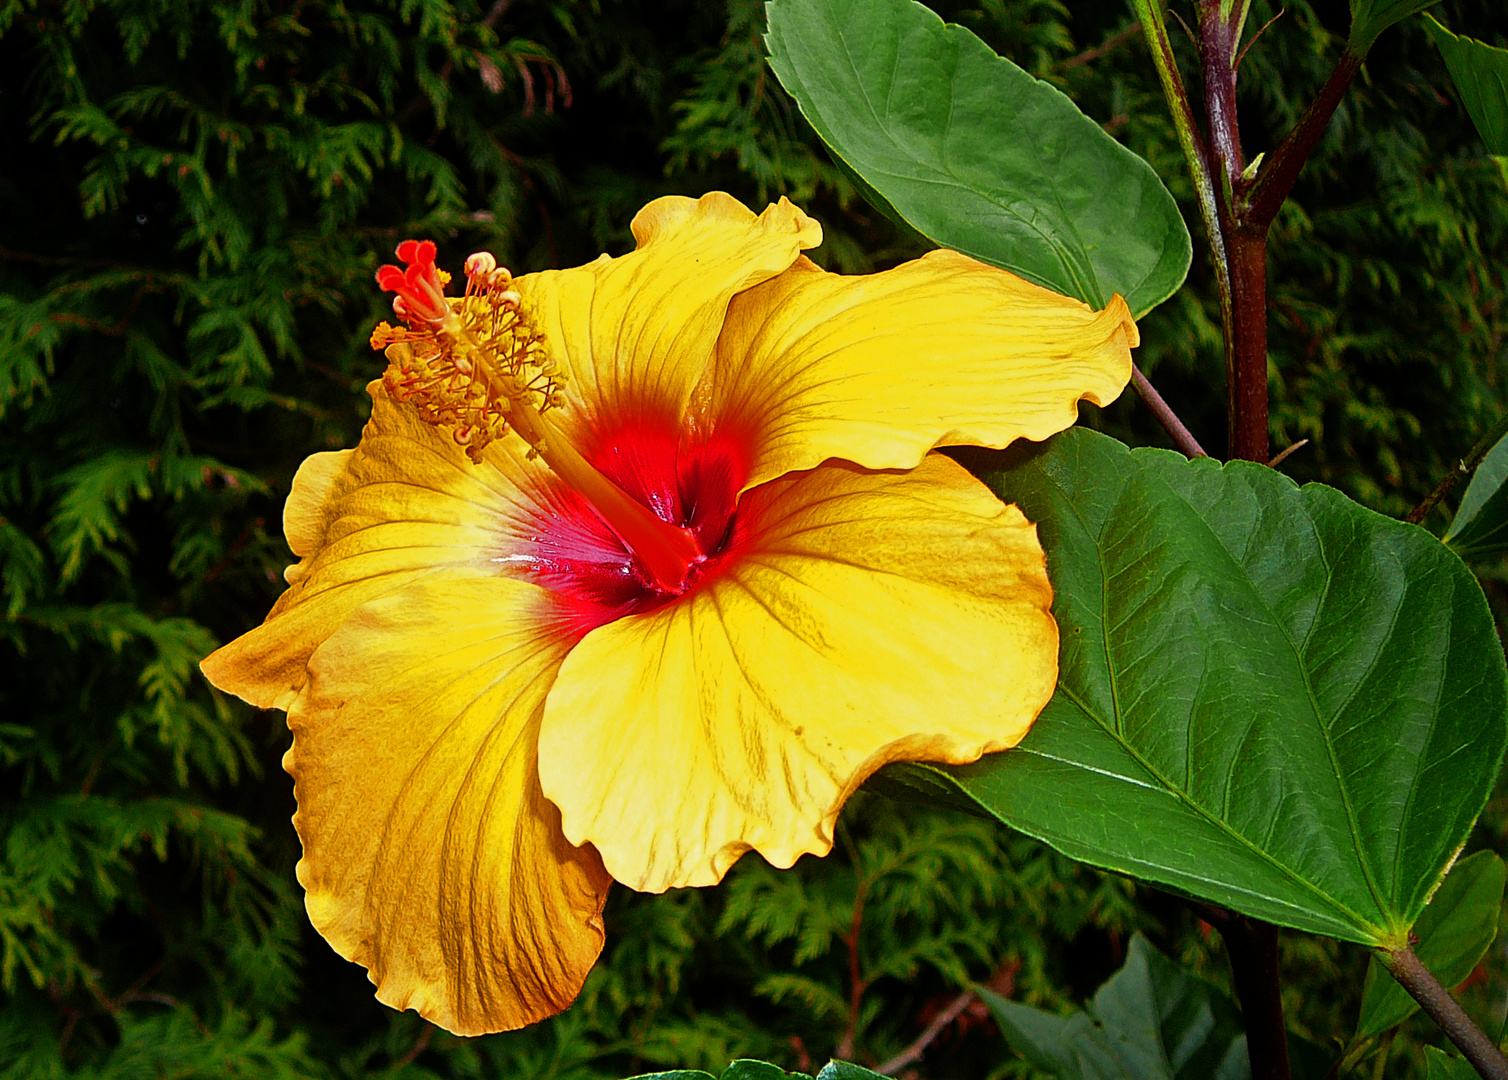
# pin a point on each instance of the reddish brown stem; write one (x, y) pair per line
(925, 1039)
(1090, 55)
(1443, 1009)
(1217, 51)
(1252, 946)
(1244, 305)
(1282, 455)
(490, 20)
(844, 1049)
(1248, 367)
(1281, 168)
(421, 1044)
(1182, 437)
(1251, 943)
(1253, 949)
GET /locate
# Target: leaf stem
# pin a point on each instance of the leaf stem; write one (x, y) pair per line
(1444, 1010)
(1182, 437)
(1275, 179)
(856, 980)
(925, 1039)
(1195, 153)
(1462, 470)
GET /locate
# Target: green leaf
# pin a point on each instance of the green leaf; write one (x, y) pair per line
(1371, 17)
(1438, 1065)
(748, 1069)
(1151, 1020)
(1270, 697)
(846, 1070)
(975, 153)
(1455, 931)
(1480, 527)
(1480, 73)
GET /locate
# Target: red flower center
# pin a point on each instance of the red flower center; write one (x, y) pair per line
(579, 557)
(630, 526)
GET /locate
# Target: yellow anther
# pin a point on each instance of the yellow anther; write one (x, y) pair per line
(479, 370)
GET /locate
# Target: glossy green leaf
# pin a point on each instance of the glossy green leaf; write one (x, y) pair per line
(1371, 17)
(749, 1069)
(1455, 931)
(976, 154)
(1480, 72)
(1480, 527)
(847, 1070)
(1269, 698)
(1151, 1020)
(1438, 1065)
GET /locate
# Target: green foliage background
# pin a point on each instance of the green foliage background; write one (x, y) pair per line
(196, 195)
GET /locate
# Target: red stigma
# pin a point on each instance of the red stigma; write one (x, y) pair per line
(421, 293)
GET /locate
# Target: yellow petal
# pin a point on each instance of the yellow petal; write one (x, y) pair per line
(865, 618)
(881, 368)
(304, 518)
(430, 855)
(637, 333)
(405, 504)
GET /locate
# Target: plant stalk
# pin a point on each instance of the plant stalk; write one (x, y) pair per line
(1462, 470)
(1218, 33)
(1444, 1010)
(1202, 169)
(918, 1047)
(1182, 437)
(1195, 154)
(1238, 210)
(1251, 944)
(1246, 344)
(1280, 169)
(1243, 291)
(1253, 949)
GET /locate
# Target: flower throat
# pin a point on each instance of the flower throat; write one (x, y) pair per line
(476, 366)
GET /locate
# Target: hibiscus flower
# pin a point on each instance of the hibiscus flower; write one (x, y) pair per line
(645, 564)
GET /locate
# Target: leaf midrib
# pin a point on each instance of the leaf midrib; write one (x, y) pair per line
(1182, 796)
(1058, 249)
(1358, 921)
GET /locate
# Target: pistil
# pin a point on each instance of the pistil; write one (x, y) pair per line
(667, 551)
(477, 368)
